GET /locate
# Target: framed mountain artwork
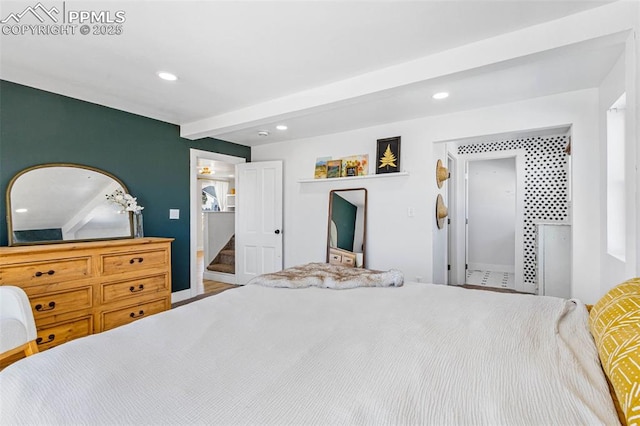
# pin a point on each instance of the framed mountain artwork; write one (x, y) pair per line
(334, 168)
(321, 168)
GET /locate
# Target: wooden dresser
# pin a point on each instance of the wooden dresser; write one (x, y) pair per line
(342, 257)
(81, 288)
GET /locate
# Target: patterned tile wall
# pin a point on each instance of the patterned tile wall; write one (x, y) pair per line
(546, 186)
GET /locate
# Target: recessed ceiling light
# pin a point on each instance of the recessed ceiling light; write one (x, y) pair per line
(21, 210)
(167, 76)
(263, 133)
(231, 175)
(281, 127)
(441, 95)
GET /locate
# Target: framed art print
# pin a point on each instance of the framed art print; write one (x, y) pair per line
(355, 165)
(321, 168)
(334, 168)
(388, 155)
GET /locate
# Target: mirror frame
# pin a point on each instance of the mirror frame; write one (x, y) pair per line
(47, 165)
(364, 232)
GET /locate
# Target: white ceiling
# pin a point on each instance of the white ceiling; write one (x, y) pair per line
(245, 56)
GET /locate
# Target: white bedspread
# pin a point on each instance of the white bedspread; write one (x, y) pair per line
(418, 354)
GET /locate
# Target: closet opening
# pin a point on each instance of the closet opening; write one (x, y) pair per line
(509, 200)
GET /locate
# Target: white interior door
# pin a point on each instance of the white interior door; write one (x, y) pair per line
(258, 219)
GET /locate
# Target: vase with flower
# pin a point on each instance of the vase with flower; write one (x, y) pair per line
(129, 203)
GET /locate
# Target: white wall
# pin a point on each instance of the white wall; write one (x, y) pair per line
(618, 81)
(439, 243)
(632, 78)
(219, 227)
(492, 214)
(395, 240)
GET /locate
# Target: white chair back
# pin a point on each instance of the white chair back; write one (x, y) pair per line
(17, 326)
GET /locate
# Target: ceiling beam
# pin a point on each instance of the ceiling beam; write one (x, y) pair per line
(605, 21)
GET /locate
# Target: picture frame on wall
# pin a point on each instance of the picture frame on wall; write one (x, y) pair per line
(321, 168)
(388, 155)
(334, 168)
(355, 165)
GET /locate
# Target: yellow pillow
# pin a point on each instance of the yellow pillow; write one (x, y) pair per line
(615, 325)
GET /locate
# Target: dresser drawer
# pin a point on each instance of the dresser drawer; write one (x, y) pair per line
(335, 258)
(47, 304)
(124, 316)
(60, 333)
(45, 271)
(133, 288)
(134, 261)
(348, 261)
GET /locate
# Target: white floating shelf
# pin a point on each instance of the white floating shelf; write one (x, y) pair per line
(350, 178)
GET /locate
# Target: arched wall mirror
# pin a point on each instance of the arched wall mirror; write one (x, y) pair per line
(347, 228)
(64, 202)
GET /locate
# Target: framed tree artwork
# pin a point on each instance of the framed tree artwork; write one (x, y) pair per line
(388, 155)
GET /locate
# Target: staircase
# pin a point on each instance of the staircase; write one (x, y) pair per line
(225, 260)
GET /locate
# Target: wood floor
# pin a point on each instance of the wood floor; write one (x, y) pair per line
(214, 287)
(205, 288)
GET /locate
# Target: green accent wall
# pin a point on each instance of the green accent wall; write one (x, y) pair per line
(149, 156)
(343, 213)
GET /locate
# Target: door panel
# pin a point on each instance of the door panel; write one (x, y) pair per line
(259, 219)
(269, 220)
(268, 256)
(249, 260)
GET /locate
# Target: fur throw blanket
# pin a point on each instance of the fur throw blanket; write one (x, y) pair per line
(329, 276)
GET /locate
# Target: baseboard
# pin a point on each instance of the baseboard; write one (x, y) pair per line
(490, 267)
(219, 276)
(181, 295)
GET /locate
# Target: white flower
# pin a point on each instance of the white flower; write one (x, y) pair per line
(126, 201)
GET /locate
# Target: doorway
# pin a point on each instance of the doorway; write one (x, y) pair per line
(542, 198)
(212, 218)
(494, 219)
(491, 225)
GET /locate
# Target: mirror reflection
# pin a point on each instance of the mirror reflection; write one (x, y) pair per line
(64, 202)
(346, 235)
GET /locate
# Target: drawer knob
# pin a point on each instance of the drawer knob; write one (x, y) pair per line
(136, 259)
(40, 308)
(49, 272)
(140, 314)
(39, 340)
(133, 289)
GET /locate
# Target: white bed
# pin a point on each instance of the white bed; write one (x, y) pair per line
(418, 354)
